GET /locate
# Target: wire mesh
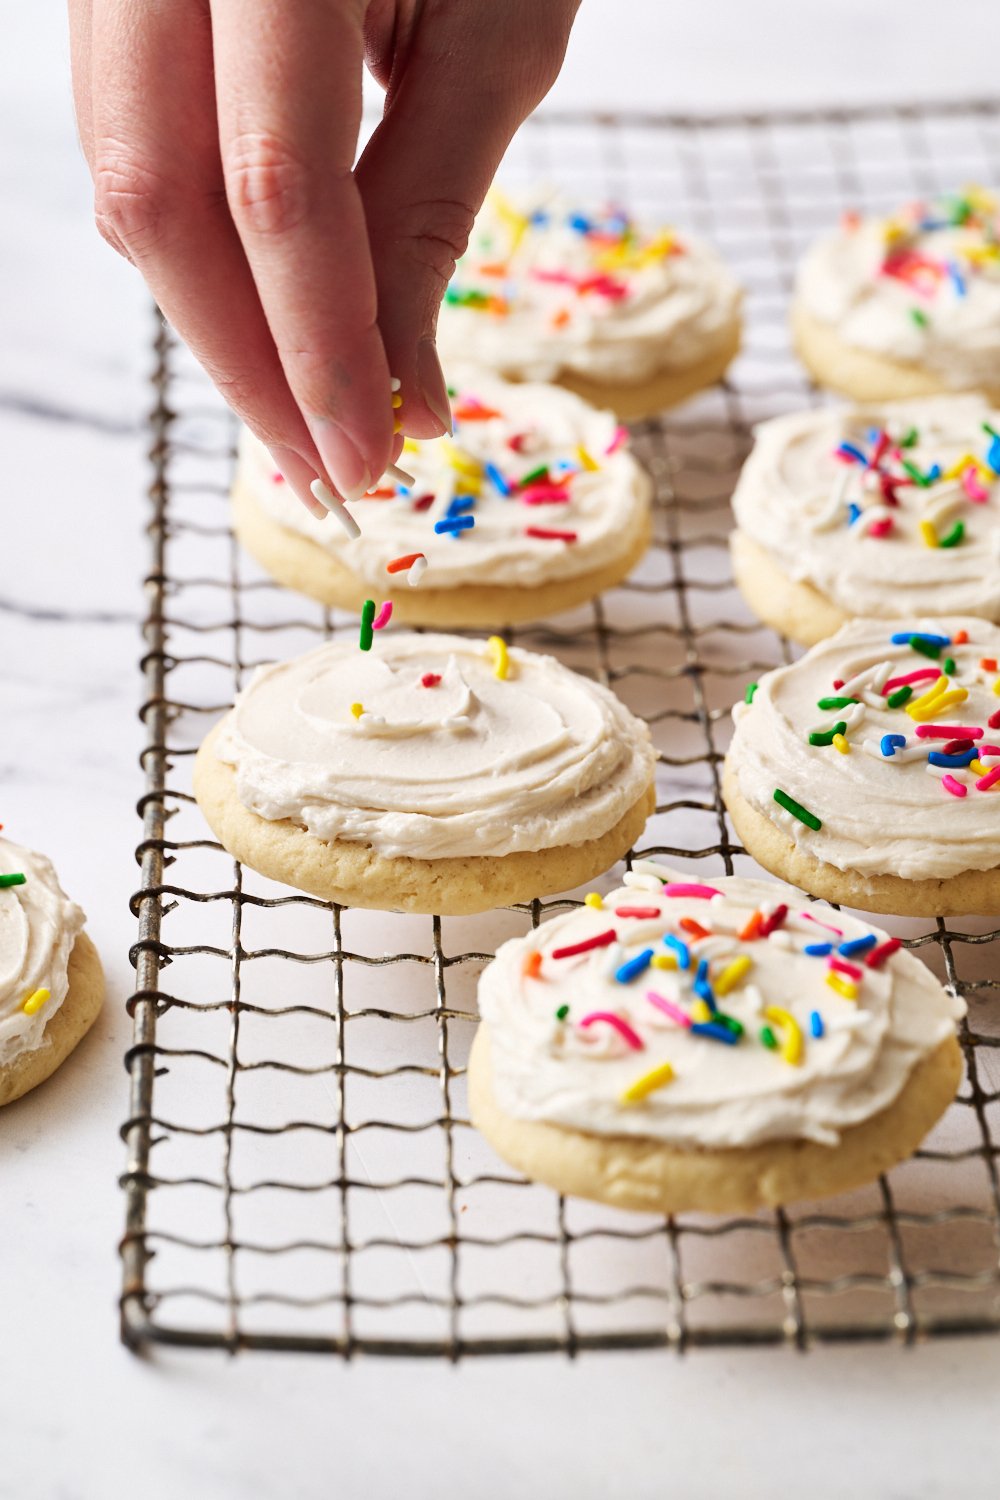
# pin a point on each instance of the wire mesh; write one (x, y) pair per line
(301, 1173)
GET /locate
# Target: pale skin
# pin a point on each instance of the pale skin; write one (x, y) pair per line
(221, 137)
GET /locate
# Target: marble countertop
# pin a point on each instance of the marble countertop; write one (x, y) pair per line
(83, 1419)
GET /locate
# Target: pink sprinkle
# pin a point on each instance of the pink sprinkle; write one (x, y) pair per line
(622, 1027)
(972, 486)
(277, 478)
(851, 970)
(668, 1008)
(949, 732)
(602, 940)
(990, 779)
(547, 534)
(679, 888)
(643, 913)
(878, 956)
(621, 436)
(989, 750)
(828, 925)
(544, 494)
(383, 617)
(956, 788)
(880, 528)
(923, 674)
(430, 679)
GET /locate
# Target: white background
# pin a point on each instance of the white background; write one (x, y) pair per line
(81, 1419)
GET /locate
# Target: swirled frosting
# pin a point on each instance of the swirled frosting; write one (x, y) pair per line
(922, 287)
(918, 793)
(444, 758)
(614, 1040)
(889, 511)
(38, 927)
(545, 289)
(549, 482)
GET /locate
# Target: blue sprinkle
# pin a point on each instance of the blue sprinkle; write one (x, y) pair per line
(634, 966)
(540, 217)
(818, 950)
(952, 762)
(816, 1023)
(904, 637)
(716, 1031)
(933, 473)
(579, 223)
(853, 512)
(857, 945)
(889, 743)
(874, 433)
(454, 523)
(957, 279)
(704, 991)
(930, 224)
(680, 948)
(993, 456)
(853, 452)
(460, 504)
(497, 479)
(403, 490)
(702, 970)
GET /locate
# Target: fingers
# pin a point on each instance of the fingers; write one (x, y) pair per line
(159, 199)
(288, 85)
(460, 85)
(79, 51)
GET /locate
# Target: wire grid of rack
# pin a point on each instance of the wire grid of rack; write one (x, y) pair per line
(301, 1173)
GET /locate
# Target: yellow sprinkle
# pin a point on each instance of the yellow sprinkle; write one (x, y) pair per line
(357, 709)
(648, 1084)
(844, 987)
(977, 768)
(732, 974)
(34, 1001)
(841, 744)
(586, 460)
(397, 425)
(700, 1011)
(397, 401)
(791, 1045)
(594, 899)
(929, 534)
(967, 461)
(410, 446)
(937, 705)
(462, 463)
(938, 686)
(664, 961)
(996, 687)
(498, 650)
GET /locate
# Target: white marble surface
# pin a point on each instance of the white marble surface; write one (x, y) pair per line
(83, 1420)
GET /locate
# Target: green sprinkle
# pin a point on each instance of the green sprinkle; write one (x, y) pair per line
(954, 536)
(948, 666)
(751, 689)
(452, 392)
(18, 879)
(796, 809)
(825, 736)
(729, 1022)
(768, 1037)
(367, 616)
(899, 697)
(562, 1012)
(535, 475)
(910, 439)
(991, 430)
(925, 647)
(919, 317)
(833, 703)
(917, 475)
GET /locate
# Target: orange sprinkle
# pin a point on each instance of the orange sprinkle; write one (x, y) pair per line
(380, 494)
(560, 319)
(498, 305)
(960, 638)
(532, 964)
(752, 929)
(694, 928)
(493, 268)
(988, 663)
(475, 413)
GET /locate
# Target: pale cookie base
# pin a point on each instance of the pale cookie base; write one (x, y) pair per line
(651, 1177)
(667, 388)
(68, 1026)
(972, 893)
(302, 564)
(354, 875)
(859, 374)
(798, 610)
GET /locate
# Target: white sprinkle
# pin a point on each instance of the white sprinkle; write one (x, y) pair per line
(394, 383)
(650, 867)
(336, 507)
(642, 882)
(416, 571)
(400, 475)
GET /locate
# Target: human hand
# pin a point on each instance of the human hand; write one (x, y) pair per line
(221, 134)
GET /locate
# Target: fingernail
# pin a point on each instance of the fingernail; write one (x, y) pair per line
(432, 384)
(300, 476)
(341, 459)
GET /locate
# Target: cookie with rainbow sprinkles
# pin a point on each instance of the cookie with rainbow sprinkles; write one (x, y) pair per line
(886, 511)
(629, 317)
(907, 305)
(535, 504)
(868, 772)
(51, 981)
(712, 1044)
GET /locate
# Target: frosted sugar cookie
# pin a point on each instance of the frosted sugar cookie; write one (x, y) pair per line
(709, 1046)
(534, 505)
(51, 983)
(628, 318)
(436, 774)
(887, 511)
(869, 771)
(905, 306)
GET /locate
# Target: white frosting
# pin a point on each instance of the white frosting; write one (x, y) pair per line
(613, 303)
(866, 279)
(572, 1074)
(604, 509)
(38, 927)
(472, 765)
(812, 512)
(879, 814)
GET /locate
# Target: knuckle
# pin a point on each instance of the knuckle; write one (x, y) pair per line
(267, 186)
(435, 233)
(132, 202)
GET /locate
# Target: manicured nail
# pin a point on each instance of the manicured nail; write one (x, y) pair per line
(341, 459)
(334, 506)
(432, 384)
(300, 476)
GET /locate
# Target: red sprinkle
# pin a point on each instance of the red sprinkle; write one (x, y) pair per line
(993, 722)
(878, 956)
(424, 503)
(851, 970)
(838, 682)
(547, 534)
(430, 679)
(641, 912)
(774, 921)
(602, 940)
(694, 928)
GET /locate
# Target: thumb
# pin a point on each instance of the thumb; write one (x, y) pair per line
(468, 77)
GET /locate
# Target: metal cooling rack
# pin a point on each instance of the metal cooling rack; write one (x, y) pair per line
(301, 1174)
